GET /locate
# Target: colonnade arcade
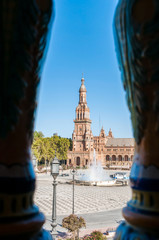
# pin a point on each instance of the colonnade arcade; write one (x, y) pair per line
(119, 160)
(119, 157)
(110, 160)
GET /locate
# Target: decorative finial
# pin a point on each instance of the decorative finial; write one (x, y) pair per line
(110, 133)
(82, 80)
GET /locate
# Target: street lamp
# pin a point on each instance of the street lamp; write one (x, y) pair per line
(54, 172)
(73, 172)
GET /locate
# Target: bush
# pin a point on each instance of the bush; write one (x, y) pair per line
(76, 238)
(84, 167)
(87, 237)
(73, 223)
(98, 235)
(95, 235)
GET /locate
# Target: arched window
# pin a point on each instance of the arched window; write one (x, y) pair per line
(120, 158)
(107, 157)
(78, 161)
(113, 158)
(126, 158)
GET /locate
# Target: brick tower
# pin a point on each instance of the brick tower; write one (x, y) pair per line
(109, 150)
(82, 135)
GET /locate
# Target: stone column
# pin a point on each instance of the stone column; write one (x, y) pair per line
(74, 161)
(117, 159)
(110, 159)
(137, 42)
(23, 37)
(122, 160)
(129, 161)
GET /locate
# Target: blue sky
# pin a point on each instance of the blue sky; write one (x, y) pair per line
(82, 41)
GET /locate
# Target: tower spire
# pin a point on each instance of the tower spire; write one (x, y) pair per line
(82, 135)
(82, 87)
(82, 83)
(82, 110)
(110, 133)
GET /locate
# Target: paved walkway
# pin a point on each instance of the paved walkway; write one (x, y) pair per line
(88, 199)
(102, 221)
(100, 206)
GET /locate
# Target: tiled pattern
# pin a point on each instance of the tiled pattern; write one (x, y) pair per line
(88, 199)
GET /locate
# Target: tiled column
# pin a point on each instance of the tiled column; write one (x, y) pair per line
(137, 43)
(23, 32)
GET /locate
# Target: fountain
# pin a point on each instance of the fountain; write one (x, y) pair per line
(95, 175)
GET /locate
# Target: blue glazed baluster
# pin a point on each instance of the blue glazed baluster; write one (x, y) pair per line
(136, 26)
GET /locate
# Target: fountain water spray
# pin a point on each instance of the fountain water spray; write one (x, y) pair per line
(95, 172)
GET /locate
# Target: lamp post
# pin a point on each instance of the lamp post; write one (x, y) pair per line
(54, 172)
(73, 172)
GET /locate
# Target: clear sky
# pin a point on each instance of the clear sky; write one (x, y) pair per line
(82, 41)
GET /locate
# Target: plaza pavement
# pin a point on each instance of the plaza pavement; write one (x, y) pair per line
(100, 206)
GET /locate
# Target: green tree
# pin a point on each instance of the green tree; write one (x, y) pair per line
(62, 148)
(53, 144)
(71, 144)
(38, 135)
(44, 148)
(37, 148)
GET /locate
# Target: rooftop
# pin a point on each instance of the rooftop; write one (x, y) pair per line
(127, 142)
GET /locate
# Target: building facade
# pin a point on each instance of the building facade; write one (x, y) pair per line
(111, 152)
